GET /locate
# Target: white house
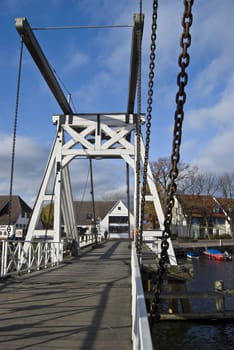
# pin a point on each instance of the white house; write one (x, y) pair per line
(20, 213)
(111, 216)
(202, 216)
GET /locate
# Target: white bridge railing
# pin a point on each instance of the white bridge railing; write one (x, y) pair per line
(39, 254)
(141, 335)
(88, 239)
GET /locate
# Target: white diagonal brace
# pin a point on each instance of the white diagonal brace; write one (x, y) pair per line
(79, 137)
(118, 136)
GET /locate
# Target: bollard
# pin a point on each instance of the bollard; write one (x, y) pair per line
(219, 300)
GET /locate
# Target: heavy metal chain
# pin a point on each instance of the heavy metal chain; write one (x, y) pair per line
(14, 139)
(149, 113)
(182, 80)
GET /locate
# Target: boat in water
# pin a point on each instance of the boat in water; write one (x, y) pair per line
(217, 255)
(192, 255)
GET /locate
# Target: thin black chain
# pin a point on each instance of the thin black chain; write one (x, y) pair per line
(14, 139)
(138, 129)
(149, 113)
(182, 80)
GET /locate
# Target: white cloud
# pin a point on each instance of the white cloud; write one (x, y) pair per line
(109, 176)
(208, 33)
(210, 80)
(209, 134)
(91, 97)
(100, 81)
(218, 114)
(217, 157)
(76, 60)
(30, 160)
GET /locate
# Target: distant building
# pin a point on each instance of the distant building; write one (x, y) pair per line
(202, 216)
(20, 214)
(227, 207)
(111, 216)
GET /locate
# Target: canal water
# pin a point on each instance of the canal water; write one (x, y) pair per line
(205, 335)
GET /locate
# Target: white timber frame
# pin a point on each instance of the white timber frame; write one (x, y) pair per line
(98, 136)
(87, 135)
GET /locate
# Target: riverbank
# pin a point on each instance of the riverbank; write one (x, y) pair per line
(201, 334)
(182, 246)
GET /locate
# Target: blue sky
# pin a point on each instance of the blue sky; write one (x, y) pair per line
(93, 64)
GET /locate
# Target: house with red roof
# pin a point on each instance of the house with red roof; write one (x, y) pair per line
(202, 216)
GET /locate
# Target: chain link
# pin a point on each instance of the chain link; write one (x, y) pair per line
(180, 99)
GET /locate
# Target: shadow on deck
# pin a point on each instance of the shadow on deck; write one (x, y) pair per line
(84, 303)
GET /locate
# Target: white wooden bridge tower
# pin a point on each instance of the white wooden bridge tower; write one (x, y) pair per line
(94, 136)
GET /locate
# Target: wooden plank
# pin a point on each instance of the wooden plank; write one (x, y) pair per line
(228, 315)
(82, 304)
(192, 295)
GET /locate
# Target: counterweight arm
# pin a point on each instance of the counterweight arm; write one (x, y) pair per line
(42, 63)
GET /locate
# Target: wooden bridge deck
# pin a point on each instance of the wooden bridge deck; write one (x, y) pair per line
(84, 303)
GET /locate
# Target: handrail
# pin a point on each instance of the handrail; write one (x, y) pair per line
(40, 254)
(141, 336)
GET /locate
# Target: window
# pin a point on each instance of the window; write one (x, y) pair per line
(118, 229)
(118, 219)
(219, 221)
(118, 224)
(195, 220)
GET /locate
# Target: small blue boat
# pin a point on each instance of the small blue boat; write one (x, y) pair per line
(192, 255)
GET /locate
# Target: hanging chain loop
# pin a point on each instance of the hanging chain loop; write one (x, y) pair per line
(180, 99)
(149, 114)
(138, 128)
(138, 138)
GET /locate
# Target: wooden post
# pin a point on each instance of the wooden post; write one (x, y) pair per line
(176, 286)
(219, 300)
(173, 303)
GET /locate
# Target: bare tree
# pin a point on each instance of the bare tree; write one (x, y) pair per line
(204, 183)
(226, 185)
(211, 183)
(161, 172)
(197, 185)
(191, 184)
(189, 180)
